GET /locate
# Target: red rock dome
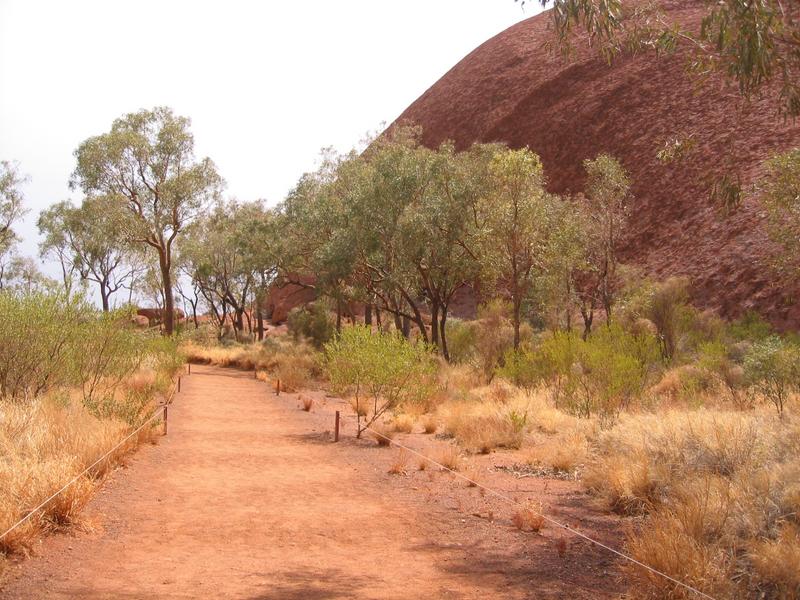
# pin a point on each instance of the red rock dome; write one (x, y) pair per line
(511, 89)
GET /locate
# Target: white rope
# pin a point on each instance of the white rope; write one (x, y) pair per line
(545, 517)
(159, 411)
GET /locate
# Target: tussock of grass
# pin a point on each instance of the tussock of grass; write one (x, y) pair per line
(382, 434)
(721, 492)
(449, 457)
(528, 518)
(563, 453)
(399, 465)
(403, 423)
(430, 424)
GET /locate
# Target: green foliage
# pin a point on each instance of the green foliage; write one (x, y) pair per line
(312, 321)
(780, 192)
(599, 375)
(11, 207)
(145, 167)
(772, 368)
(50, 342)
(750, 327)
(39, 338)
(382, 371)
(108, 353)
(462, 339)
(750, 42)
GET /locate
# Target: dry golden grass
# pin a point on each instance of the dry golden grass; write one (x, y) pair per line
(483, 426)
(448, 456)
(403, 423)
(295, 364)
(399, 465)
(306, 403)
(382, 434)
(46, 442)
(562, 453)
(721, 490)
(430, 423)
(528, 518)
(360, 406)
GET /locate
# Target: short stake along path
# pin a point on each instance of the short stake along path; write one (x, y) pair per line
(243, 499)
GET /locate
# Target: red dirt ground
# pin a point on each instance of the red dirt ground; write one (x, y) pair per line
(247, 497)
(511, 89)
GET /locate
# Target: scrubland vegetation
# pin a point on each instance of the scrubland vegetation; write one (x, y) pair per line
(577, 364)
(74, 383)
(685, 438)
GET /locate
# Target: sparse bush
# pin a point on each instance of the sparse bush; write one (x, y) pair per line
(313, 322)
(383, 370)
(772, 368)
(666, 309)
(598, 375)
(462, 339)
(496, 336)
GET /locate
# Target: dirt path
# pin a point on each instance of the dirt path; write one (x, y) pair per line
(246, 498)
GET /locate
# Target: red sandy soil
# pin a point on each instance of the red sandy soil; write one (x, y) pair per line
(247, 497)
(511, 89)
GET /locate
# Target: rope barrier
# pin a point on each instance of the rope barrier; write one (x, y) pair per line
(550, 520)
(158, 411)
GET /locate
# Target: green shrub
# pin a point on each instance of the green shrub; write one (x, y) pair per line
(313, 322)
(462, 338)
(772, 368)
(750, 327)
(598, 375)
(40, 333)
(382, 371)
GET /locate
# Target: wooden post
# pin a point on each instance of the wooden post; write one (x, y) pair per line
(165, 419)
(336, 428)
(179, 384)
(278, 387)
(190, 368)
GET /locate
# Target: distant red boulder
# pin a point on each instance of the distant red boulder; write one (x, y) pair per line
(155, 316)
(284, 296)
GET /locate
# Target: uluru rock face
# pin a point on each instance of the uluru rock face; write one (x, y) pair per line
(513, 90)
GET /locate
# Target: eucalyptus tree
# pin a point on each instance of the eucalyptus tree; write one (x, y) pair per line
(11, 210)
(146, 165)
(391, 175)
(90, 241)
(439, 232)
(607, 205)
(313, 235)
(517, 214)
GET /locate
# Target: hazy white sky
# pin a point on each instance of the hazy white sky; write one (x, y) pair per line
(266, 84)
